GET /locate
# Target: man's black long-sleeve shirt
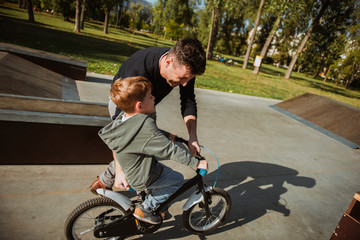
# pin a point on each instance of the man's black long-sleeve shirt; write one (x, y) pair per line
(146, 63)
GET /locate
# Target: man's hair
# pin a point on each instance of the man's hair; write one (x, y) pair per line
(190, 53)
(127, 91)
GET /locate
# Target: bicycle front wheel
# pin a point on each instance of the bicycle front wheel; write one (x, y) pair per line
(195, 220)
(82, 221)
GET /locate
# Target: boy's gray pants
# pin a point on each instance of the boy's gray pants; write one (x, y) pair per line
(108, 177)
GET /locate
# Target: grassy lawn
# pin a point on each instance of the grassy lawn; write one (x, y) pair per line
(106, 52)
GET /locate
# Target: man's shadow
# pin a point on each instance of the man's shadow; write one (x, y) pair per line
(255, 189)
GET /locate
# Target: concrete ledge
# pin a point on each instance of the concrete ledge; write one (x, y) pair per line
(52, 118)
(51, 105)
(51, 138)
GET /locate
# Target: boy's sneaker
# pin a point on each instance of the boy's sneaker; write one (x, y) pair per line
(146, 215)
(98, 184)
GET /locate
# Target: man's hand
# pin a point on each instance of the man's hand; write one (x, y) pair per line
(194, 147)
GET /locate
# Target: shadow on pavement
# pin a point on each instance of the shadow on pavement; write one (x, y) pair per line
(255, 189)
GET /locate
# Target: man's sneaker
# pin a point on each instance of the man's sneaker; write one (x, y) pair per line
(98, 184)
(146, 215)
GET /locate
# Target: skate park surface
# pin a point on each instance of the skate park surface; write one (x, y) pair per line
(286, 179)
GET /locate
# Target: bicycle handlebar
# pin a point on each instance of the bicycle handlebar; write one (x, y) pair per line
(202, 171)
(179, 139)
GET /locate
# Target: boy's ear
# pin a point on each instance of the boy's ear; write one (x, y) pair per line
(138, 106)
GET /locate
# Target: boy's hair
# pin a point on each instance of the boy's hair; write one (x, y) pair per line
(127, 91)
(190, 53)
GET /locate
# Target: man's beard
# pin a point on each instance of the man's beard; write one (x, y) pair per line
(172, 83)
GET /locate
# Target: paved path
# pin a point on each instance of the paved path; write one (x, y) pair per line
(286, 180)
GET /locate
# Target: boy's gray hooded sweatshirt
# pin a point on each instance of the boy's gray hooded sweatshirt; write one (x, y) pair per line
(136, 142)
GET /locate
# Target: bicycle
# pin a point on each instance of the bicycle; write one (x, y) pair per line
(111, 216)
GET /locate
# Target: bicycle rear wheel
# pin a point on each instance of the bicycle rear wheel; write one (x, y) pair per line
(82, 220)
(195, 220)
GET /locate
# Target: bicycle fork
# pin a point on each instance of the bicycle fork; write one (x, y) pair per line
(206, 198)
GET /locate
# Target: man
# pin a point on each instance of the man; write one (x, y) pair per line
(166, 69)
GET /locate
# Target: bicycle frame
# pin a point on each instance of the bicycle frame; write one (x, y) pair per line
(197, 180)
(126, 225)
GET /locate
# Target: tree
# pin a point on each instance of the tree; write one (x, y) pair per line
(216, 6)
(140, 16)
(77, 16)
(119, 8)
(82, 15)
(252, 37)
(280, 7)
(30, 11)
(347, 67)
(159, 17)
(307, 35)
(233, 30)
(173, 30)
(203, 25)
(181, 11)
(66, 8)
(107, 6)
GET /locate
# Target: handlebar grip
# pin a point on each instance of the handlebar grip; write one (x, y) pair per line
(130, 189)
(202, 172)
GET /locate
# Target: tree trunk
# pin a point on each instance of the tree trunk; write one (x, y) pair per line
(252, 37)
(106, 22)
(82, 16)
(326, 73)
(299, 68)
(30, 11)
(268, 40)
(303, 42)
(213, 32)
(119, 16)
(77, 16)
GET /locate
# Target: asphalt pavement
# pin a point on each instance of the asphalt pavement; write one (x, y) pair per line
(286, 180)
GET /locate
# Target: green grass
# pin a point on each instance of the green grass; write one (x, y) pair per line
(106, 52)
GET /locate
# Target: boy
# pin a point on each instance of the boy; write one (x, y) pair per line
(135, 140)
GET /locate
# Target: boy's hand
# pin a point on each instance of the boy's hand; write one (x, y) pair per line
(202, 165)
(172, 137)
(121, 181)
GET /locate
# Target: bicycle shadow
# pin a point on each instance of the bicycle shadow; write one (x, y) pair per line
(255, 189)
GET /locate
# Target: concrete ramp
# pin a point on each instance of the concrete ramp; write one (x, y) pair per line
(22, 77)
(42, 120)
(333, 118)
(66, 66)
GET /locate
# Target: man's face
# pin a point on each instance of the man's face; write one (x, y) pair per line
(176, 74)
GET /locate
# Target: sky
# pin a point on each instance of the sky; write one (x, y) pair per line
(152, 1)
